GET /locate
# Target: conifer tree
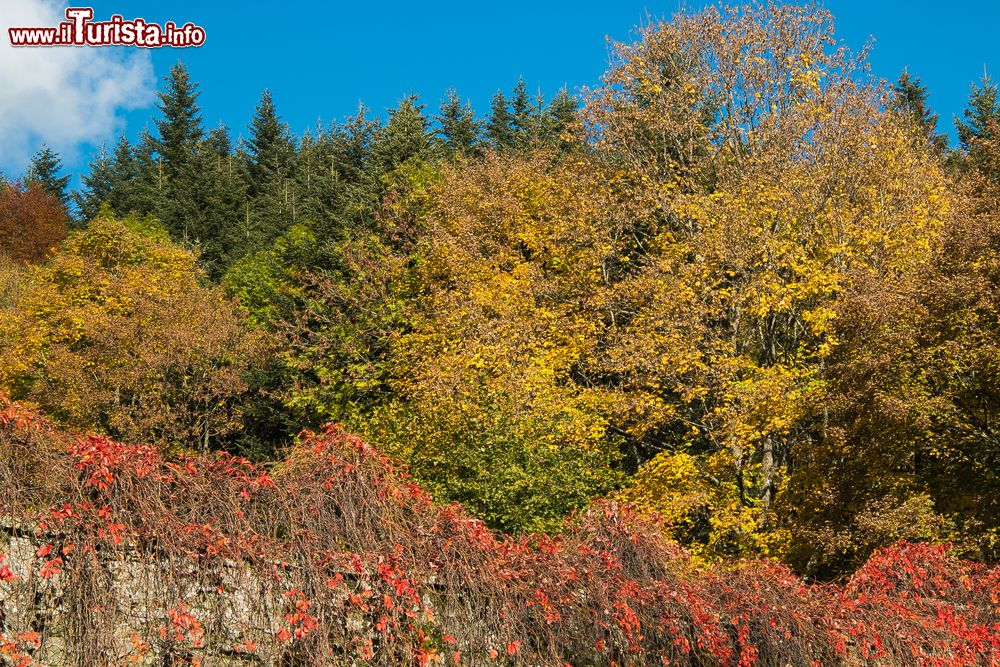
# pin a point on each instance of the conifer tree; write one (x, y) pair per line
(218, 193)
(404, 136)
(97, 186)
(270, 146)
(355, 141)
(459, 128)
(560, 118)
(143, 184)
(270, 153)
(125, 180)
(979, 120)
(180, 127)
(181, 181)
(44, 170)
(910, 99)
(320, 182)
(523, 116)
(499, 126)
(352, 145)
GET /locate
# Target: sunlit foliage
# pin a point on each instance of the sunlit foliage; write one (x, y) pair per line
(119, 332)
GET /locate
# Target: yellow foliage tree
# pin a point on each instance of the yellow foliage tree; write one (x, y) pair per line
(119, 332)
(515, 255)
(800, 179)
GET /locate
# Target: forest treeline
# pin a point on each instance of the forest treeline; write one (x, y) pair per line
(741, 283)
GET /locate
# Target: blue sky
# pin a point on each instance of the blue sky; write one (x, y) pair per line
(321, 58)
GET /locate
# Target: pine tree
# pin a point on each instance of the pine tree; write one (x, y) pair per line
(523, 117)
(561, 118)
(499, 126)
(180, 126)
(125, 181)
(355, 141)
(270, 146)
(141, 183)
(405, 136)
(96, 190)
(270, 153)
(220, 141)
(353, 145)
(180, 181)
(982, 116)
(910, 99)
(44, 169)
(459, 128)
(217, 190)
(318, 182)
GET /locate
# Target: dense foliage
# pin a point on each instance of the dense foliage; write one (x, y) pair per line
(741, 285)
(334, 557)
(117, 332)
(32, 222)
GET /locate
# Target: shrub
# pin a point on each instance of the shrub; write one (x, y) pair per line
(334, 556)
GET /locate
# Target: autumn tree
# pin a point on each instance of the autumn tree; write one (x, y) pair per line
(506, 286)
(735, 287)
(772, 171)
(912, 398)
(118, 333)
(32, 222)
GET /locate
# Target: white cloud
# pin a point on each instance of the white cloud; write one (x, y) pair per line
(63, 96)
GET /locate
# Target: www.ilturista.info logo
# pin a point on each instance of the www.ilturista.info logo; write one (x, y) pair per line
(80, 30)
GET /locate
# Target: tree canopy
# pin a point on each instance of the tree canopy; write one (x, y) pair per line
(740, 284)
